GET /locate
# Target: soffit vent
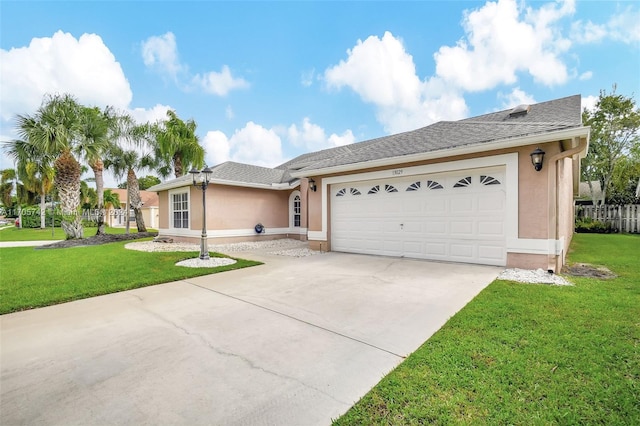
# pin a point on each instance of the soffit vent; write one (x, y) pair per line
(520, 110)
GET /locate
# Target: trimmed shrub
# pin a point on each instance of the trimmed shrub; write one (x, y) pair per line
(31, 218)
(586, 225)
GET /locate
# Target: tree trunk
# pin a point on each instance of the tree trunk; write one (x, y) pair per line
(43, 210)
(67, 181)
(136, 201)
(98, 168)
(177, 165)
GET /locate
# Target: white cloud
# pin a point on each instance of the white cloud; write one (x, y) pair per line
(216, 146)
(253, 144)
(219, 83)
(340, 140)
(161, 53)
(306, 79)
(585, 76)
(589, 102)
(83, 67)
(228, 113)
(623, 27)
(515, 97)
(152, 115)
(499, 43)
(381, 72)
(309, 135)
(314, 138)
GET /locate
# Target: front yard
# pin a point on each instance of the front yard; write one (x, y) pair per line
(31, 278)
(528, 354)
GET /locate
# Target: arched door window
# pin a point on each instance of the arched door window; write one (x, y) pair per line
(297, 211)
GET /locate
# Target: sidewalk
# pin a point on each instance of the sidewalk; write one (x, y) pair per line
(4, 244)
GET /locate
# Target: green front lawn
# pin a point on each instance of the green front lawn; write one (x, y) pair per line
(528, 354)
(31, 278)
(36, 234)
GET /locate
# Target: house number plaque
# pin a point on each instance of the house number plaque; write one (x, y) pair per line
(397, 172)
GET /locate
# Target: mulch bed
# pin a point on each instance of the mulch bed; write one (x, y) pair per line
(99, 239)
(589, 271)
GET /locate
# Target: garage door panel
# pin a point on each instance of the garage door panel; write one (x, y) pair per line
(436, 227)
(490, 229)
(457, 216)
(436, 249)
(461, 251)
(435, 206)
(461, 205)
(462, 228)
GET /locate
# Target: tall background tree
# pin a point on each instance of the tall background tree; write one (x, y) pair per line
(35, 169)
(95, 128)
(177, 146)
(133, 154)
(53, 129)
(614, 148)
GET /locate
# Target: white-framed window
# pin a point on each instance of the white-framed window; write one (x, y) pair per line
(179, 202)
(295, 210)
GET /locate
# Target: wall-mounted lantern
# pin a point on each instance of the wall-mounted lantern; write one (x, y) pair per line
(312, 185)
(537, 157)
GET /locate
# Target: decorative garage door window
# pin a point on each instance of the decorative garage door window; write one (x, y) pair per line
(414, 186)
(352, 191)
(489, 180)
(462, 183)
(432, 184)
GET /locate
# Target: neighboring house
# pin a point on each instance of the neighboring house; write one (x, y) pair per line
(150, 210)
(584, 192)
(461, 191)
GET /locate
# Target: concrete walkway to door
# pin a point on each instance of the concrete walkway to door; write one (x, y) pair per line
(292, 342)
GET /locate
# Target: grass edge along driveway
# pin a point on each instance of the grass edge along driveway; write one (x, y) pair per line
(31, 278)
(528, 354)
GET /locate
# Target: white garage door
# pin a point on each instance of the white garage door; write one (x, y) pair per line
(456, 217)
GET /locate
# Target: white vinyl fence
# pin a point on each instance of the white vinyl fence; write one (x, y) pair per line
(624, 218)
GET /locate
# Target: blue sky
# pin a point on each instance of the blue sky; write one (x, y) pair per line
(267, 81)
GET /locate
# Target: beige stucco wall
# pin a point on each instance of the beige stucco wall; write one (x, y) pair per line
(231, 207)
(536, 202)
(235, 208)
(565, 205)
(163, 210)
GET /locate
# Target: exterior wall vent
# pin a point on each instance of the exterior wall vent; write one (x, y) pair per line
(520, 110)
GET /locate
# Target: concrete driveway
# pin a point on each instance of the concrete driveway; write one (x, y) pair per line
(292, 342)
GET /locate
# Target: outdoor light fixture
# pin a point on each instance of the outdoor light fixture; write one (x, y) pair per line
(312, 185)
(201, 180)
(536, 159)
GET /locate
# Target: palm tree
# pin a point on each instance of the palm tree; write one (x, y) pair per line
(177, 145)
(136, 138)
(35, 169)
(53, 129)
(7, 183)
(123, 162)
(94, 131)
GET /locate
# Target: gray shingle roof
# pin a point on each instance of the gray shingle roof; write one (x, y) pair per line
(542, 118)
(239, 172)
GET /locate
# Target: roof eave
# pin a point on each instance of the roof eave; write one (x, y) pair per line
(582, 131)
(181, 184)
